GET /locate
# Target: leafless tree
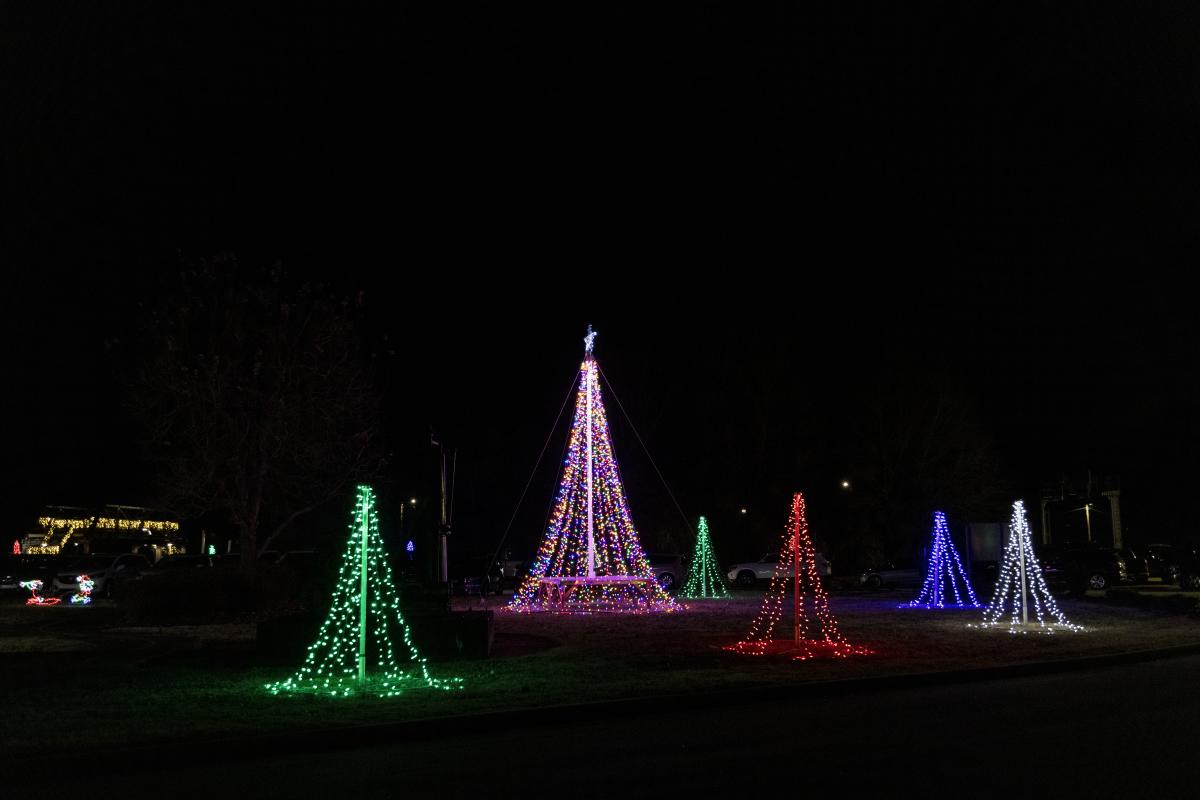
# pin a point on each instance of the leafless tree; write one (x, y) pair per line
(256, 399)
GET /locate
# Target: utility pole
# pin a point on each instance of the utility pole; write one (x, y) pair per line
(1045, 522)
(447, 489)
(1114, 507)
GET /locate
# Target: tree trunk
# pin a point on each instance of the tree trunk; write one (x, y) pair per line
(248, 559)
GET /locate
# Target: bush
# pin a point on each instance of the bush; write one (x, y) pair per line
(186, 597)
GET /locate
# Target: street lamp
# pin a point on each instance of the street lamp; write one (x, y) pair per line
(1087, 513)
(412, 501)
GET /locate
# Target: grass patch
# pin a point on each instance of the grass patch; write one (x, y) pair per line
(116, 685)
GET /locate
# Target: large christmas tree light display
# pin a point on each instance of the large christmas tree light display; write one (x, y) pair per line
(591, 559)
(704, 579)
(1020, 581)
(815, 634)
(353, 653)
(944, 569)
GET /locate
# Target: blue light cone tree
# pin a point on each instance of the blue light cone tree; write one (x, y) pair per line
(591, 557)
(354, 653)
(704, 578)
(1021, 584)
(944, 569)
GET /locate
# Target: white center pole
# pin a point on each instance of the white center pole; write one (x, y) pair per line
(1024, 599)
(362, 598)
(591, 541)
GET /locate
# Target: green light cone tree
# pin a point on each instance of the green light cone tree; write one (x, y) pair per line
(354, 652)
(704, 578)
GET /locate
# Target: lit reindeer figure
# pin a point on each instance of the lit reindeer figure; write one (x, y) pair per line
(37, 600)
(84, 595)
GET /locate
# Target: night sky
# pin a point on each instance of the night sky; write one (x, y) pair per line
(768, 215)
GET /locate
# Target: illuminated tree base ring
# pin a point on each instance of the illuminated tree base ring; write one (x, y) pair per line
(392, 685)
(944, 607)
(611, 594)
(804, 650)
(1047, 629)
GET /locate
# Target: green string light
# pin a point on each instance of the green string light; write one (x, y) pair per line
(704, 579)
(365, 610)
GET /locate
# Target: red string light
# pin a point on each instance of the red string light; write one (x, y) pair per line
(815, 635)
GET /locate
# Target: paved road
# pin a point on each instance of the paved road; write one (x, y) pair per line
(1116, 731)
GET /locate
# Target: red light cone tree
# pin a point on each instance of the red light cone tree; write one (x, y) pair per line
(815, 631)
(591, 557)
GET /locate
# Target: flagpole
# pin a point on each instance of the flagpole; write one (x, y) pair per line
(589, 365)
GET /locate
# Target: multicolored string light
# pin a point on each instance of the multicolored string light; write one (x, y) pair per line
(353, 653)
(704, 579)
(814, 635)
(1020, 581)
(591, 558)
(84, 596)
(16, 547)
(944, 569)
(34, 587)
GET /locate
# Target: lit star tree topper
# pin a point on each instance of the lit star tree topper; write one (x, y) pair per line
(591, 557)
(815, 631)
(1021, 584)
(944, 569)
(354, 652)
(704, 578)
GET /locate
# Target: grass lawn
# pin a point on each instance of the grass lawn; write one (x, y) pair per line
(73, 670)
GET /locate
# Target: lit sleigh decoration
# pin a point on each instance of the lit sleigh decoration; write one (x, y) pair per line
(34, 587)
(815, 634)
(84, 596)
(591, 559)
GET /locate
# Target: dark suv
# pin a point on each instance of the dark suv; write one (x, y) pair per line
(1187, 562)
(1084, 568)
(669, 569)
(475, 575)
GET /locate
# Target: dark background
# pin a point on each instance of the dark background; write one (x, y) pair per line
(769, 214)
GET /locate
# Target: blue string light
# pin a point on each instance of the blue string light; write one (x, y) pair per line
(943, 568)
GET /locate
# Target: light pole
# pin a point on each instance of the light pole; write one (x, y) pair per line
(1087, 514)
(408, 542)
(412, 501)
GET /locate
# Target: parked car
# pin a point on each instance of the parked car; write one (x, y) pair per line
(1137, 565)
(1080, 569)
(892, 575)
(747, 573)
(107, 571)
(512, 570)
(1162, 563)
(669, 569)
(169, 564)
(1188, 563)
(475, 575)
(14, 569)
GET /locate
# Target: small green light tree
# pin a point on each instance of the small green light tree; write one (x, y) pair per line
(704, 579)
(353, 653)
